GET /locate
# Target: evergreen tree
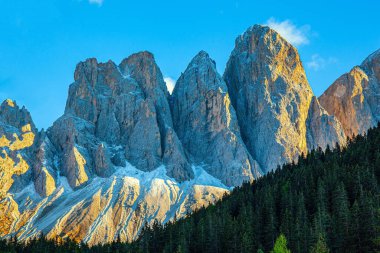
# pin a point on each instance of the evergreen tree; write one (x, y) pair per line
(280, 245)
(320, 246)
(328, 201)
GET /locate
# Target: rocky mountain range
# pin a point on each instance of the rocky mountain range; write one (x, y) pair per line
(126, 152)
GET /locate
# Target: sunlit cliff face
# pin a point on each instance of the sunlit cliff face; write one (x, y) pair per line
(11, 160)
(36, 194)
(12, 163)
(126, 153)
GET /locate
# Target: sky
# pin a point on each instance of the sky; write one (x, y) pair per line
(42, 41)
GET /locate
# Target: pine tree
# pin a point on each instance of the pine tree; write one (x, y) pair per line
(320, 246)
(341, 218)
(280, 245)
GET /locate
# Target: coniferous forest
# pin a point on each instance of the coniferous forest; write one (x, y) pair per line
(327, 202)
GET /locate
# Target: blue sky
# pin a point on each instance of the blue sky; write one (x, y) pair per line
(42, 41)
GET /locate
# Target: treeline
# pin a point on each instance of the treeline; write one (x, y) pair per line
(327, 202)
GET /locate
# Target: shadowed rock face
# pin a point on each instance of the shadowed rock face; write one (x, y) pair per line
(125, 152)
(354, 98)
(322, 129)
(143, 68)
(206, 123)
(111, 163)
(124, 108)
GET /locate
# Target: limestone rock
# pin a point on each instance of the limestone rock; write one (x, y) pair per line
(12, 115)
(175, 159)
(271, 95)
(74, 141)
(322, 129)
(125, 152)
(103, 163)
(354, 97)
(17, 141)
(206, 123)
(44, 167)
(128, 107)
(143, 68)
(107, 208)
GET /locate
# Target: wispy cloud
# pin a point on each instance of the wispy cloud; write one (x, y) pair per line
(293, 34)
(318, 62)
(170, 83)
(97, 2)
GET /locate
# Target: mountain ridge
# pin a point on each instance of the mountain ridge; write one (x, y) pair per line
(126, 152)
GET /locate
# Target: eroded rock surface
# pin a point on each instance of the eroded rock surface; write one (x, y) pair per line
(354, 98)
(206, 123)
(125, 152)
(271, 95)
(124, 108)
(322, 129)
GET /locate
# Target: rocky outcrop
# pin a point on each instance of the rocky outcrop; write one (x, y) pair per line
(45, 167)
(272, 98)
(12, 115)
(125, 108)
(354, 98)
(322, 129)
(17, 138)
(74, 141)
(206, 123)
(271, 95)
(125, 152)
(145, 71)
(52, 183)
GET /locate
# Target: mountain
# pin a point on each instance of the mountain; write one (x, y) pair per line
(272, 97)
(206, 123)
(354, 98)
(126, 152)
(328, 202)
(111, 163)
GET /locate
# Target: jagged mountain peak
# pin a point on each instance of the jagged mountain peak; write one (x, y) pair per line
(259, 37)
(271, 95)
(202, 61)
(9, 102)
(201, 56)
(206, 123)
(143, 68)
(203, 67)
(371, 65)
(269, 89)
(354, 97)
(125, 152)
(12, 114)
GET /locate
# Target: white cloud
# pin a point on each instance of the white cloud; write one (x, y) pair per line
(295, 35)
(170, 83)
(317, 62)
(98, 2)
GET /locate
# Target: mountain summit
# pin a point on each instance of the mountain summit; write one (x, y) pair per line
(206, 123)
(355, 97)
(126, 152)
(271, 94)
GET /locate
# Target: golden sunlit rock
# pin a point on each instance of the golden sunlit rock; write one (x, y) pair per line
(81, 173)
(10, 102)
